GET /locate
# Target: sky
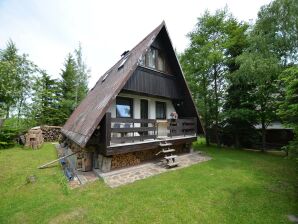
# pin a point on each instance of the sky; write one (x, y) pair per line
(47, 30)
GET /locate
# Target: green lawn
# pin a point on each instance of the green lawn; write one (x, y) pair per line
(234, 187)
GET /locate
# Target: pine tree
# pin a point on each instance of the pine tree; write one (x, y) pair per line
(82, 76)
(68, 87)
(46, 101)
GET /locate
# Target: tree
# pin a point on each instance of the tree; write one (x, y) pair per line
(238, 108)
(15, 79)
(261, 69)
(74, 82)
(46, 101)
(277, 24)
(288, 108)
(68, 85)
(82, 76)
(199, 82)
(215, 42)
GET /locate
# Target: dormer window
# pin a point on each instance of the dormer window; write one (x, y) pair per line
(154, 58)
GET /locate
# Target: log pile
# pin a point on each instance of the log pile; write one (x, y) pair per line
(34, 138)
(123, 160)
(51, 133)
(147, 154)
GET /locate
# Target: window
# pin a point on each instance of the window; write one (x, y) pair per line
(160, 110)
(161, 62)
(154, 58)
(124, 107)
(151, 58)
(123, 61)
(105, 77)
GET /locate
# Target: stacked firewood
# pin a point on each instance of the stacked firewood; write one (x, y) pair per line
(51, 133)
(123, 160)
(147, 154)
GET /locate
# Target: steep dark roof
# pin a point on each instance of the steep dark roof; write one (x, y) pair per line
(86, 117)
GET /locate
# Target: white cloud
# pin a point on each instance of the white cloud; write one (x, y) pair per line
(49, 30)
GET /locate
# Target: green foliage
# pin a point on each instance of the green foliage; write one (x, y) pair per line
(74, 83)
(215, 42)
(46, 99)
(288, 108)
(82, 75)
(15, 80)
(68, 85)
(277, 24)
(10, 131)
(261, 72)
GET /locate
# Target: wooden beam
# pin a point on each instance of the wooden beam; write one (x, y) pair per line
(121, 149)
(56, 160)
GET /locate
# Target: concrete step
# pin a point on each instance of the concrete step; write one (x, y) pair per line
(168, 150)
(170, 165)
(170, 157)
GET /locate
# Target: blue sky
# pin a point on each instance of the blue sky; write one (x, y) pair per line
(48, 30)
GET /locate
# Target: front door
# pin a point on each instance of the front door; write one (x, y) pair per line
(144, 115)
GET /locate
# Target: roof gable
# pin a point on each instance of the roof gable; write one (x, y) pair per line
(86, 117)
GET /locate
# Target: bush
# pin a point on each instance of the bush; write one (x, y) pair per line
(10, 132)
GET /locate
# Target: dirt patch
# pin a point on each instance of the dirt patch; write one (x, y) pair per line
(76, 215)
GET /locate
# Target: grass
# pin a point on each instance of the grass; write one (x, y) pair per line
(234, 187)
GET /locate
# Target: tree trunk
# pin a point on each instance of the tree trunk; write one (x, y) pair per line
(207, 136)
(206, 114)
(19, 112)
(263, 136)
(7, 112)
(216, 107)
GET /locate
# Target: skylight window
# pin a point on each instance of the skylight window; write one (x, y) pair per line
(123, 61)
(104, 77)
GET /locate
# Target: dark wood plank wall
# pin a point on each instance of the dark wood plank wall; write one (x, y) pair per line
(148, 81)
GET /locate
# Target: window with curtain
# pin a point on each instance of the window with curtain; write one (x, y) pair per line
(124, 107)
(154, 58)
(160, 62)
(160, 110)
(151, 58)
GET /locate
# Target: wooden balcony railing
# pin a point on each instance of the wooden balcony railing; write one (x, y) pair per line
(130, 130)
(126, 130)
(184, 126)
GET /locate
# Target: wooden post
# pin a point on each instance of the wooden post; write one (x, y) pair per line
(196, 125)
(108, 129)
(133, 133)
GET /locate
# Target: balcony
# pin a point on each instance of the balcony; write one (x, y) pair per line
(128, 131)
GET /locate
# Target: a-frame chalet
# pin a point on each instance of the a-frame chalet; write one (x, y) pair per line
(137, 108)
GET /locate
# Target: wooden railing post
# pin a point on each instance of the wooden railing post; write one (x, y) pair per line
(195, 125)
(108, 129)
